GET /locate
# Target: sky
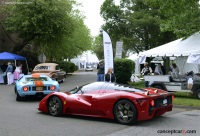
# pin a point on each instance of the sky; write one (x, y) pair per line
(93, 20)
(91, 9)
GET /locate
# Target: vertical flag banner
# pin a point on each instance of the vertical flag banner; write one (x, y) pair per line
(108, 52)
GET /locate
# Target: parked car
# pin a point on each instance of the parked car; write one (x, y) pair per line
(123, 103)
(35, 85)
(50, 69)
(88, 68)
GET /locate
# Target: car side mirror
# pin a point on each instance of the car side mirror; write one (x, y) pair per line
(82, 92)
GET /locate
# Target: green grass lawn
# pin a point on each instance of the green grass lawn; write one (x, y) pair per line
(186, 99)
(181, 98)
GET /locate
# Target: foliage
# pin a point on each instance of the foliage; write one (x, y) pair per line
(145, 24)
(31, 58)
(41, 21)
(180, 16)
(67, 66)
(55, 27)
(135, 22)
(97, 47)
(123, 69)
(79, 42)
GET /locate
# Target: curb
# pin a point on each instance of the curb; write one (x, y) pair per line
(186, 107)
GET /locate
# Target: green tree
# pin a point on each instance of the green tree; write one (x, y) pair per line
(97, 47)
(40, 21)
(136, 22)
(71, 46)
(56, 28)
(179, 16)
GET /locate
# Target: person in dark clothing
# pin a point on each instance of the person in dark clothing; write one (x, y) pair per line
(110, 76)
(100, 73)
(4, 67)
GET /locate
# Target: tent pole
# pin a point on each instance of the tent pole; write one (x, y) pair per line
(27, 67)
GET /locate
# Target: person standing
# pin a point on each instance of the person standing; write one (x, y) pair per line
(100, 73)
(175, 71)
(9, 72)
(158, 70)
(18, 71)
(146, 71)
(110, 76)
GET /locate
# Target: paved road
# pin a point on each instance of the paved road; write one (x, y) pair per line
(23, 118)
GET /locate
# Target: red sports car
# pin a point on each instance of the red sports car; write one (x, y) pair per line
(109, 100)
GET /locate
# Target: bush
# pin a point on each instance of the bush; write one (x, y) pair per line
(123, 69)
(67, 66)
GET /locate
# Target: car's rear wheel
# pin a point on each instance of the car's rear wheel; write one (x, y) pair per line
(18, 97)
(55, 106)
(125, 112)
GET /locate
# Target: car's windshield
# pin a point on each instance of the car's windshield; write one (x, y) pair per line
(87, 88)
(36, 79)
(42, 68)
(122, 87)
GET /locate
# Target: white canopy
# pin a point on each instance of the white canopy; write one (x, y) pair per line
(180, 47)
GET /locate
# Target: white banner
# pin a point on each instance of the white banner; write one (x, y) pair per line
(119, 48)
(108, 52)
(142, 59)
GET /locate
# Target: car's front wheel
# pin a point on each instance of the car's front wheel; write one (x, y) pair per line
(125, 112)
(197, 93)
(55, 106)
(158, 87)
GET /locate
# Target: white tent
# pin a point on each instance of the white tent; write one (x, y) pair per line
(181, 49)
(135, 58)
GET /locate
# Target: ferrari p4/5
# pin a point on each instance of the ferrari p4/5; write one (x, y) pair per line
(123, 103)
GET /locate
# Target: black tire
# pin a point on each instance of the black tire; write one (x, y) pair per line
(158, 87)
(125, 112)
(15, 89)
(18, 97)
(55, 106)
(62, 81)
(197, 94)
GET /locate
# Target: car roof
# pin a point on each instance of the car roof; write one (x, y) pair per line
(47, 64)
(32, 75)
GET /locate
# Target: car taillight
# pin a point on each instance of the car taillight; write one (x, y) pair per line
(25, 88)
(152, 103)
(172, 97)
(52, 88)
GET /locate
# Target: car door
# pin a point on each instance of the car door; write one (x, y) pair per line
(60, 74)
(84, 101)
